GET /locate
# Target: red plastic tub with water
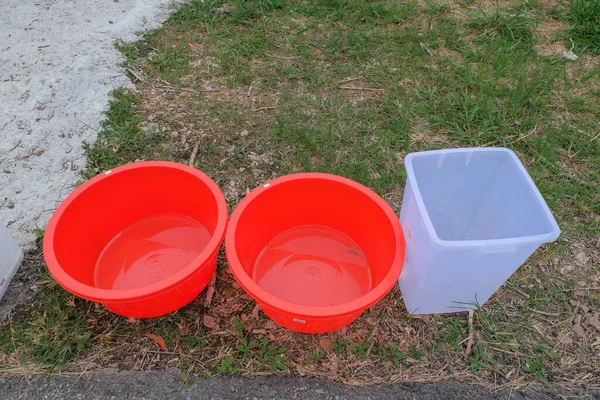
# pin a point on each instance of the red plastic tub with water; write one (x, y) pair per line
(141, 239)
(315, 250)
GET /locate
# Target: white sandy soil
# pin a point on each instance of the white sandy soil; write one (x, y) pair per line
(58, 65)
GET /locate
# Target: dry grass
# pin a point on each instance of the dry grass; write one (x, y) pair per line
(122, 343)
(550, 42)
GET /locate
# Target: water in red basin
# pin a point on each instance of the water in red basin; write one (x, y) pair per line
(149, 251)
(313, 265)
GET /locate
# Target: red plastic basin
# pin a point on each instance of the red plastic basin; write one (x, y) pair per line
(315, 250)
(141, 239)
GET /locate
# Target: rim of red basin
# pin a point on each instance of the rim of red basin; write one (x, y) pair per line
(109, 295)
(261, 295)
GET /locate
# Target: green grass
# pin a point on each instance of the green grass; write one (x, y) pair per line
(418, 78)
(54, 333)
(121, 139)
(584, 16)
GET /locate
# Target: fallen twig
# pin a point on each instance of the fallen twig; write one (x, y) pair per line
(524, 136)
(585, 288)
(210, 291)
(426, 49)
(471, 333)
(194, 154)
(285, 58)
(265, 108)
(546, 313)
(139, 77)
(96, 39)
(348, 80)
(16, 145)
(361, 88)
(255, 311)
(174, 89)
(86, 125)
(522, 293)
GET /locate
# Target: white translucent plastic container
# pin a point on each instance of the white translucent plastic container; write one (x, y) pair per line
(471, 217)
(10, 259)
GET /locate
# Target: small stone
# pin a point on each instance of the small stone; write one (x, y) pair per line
(593, 322)
(244, 133)
(150, 128)
(564, 338)
(222, 10)
(210, 322)
(579, 293)
(576, 304)
(584, 308)
(174, 134)
(581, 257)
(566, 269)
(579, 331)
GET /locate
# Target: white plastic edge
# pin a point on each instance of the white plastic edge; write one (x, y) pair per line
(493, 243)
(16, 263)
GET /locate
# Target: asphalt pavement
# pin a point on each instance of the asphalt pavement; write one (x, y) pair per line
(170, 385)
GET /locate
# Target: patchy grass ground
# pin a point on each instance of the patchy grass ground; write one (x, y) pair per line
(265, 88)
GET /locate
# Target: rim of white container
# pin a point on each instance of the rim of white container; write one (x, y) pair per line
(499, 244)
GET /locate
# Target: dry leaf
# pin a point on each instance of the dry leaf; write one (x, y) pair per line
(325, 343)
(255, 311)
(579, 331)
(594, 322)
(210, 322)
(181, 325)
(158, 340)
(243, 317)
(584, 308)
